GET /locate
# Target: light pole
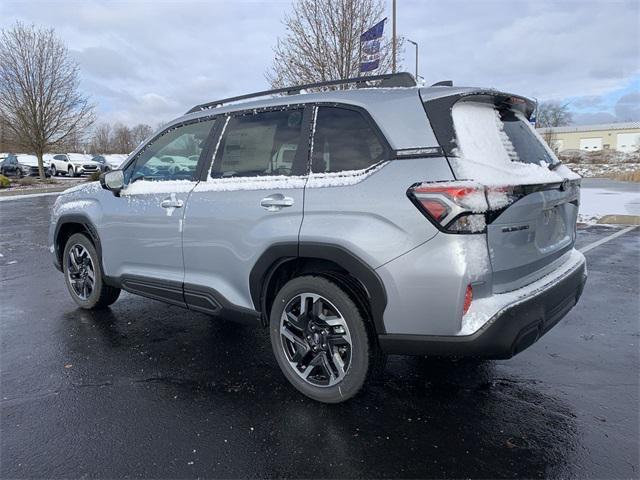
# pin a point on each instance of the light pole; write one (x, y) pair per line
(416, 45)
(393, 39)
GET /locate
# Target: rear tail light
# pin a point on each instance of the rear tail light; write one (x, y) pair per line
(456, 207)
(459, 207)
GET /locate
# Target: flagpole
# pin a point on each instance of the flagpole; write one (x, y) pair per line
(393, 39)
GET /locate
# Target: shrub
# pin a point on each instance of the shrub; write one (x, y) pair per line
(4, 182)
(26, 181)
(628, 176)
(94, 177)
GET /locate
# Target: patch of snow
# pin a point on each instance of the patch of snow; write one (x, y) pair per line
(341, 179)
(272, 182)
(483, 310)
(83, 188)
(484, 152)
(61, 207)
(12, 262)
(144, 187)
(598, 202)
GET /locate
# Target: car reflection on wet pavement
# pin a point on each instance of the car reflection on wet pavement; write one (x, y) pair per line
(150, 390)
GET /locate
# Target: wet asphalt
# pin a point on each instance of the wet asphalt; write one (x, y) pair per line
(154, 391)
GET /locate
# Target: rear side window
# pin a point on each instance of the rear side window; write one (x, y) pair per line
(259, 144)
(344, 140)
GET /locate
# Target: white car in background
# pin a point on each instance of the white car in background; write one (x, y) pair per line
(73, 164)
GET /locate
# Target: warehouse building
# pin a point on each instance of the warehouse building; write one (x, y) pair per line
(622, 137)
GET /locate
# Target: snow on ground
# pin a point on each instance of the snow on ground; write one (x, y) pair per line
(590, 170)
(597, 202)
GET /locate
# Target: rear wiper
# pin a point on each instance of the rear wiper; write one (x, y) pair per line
(554, 166)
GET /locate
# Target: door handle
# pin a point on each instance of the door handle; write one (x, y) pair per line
(172, 202)
(276, 202)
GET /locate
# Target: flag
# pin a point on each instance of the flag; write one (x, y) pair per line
(370, 47)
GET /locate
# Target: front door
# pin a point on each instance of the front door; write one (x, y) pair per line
(142, 229)
(252, 199)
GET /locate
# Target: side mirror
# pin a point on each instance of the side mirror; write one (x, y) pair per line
(113, 181)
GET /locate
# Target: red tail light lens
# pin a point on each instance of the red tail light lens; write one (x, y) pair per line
(456, 207)
(468, 298)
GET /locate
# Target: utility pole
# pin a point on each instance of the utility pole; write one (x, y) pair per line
(416, 45)
(393, 40)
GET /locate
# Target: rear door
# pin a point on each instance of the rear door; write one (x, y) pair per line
(251, 199)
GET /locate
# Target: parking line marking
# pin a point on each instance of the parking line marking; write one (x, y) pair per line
(28, 195)
(593, 245)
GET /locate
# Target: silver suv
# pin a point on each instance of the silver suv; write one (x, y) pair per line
(351, 223)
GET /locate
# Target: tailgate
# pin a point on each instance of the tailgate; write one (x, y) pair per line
(532, 198)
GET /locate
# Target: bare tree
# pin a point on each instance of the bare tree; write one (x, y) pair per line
(122, 140)
(323, 41)
(39, 96)
(552, 114)
(101, 140)
(139, 133)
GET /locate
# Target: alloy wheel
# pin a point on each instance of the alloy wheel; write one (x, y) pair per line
(81, 271)
(316, 340)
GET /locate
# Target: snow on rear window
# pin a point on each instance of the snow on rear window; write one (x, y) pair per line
(487, 154)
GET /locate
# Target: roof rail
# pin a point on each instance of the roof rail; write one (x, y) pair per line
(401, 79)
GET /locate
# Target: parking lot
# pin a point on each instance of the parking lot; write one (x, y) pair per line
(150, 390)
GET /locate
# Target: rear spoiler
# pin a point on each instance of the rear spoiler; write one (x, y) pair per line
(439, 111)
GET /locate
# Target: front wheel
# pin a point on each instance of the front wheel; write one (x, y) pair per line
(53, 170)
(83, 274)
(320, 340)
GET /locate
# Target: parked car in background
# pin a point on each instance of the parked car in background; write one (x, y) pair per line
(110, 162)
(73, 164)
(9, 167)
(29, 165)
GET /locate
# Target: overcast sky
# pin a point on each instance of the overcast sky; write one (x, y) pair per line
(144, 61)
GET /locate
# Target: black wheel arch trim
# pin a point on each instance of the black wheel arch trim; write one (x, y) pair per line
(277, 254)
(88, 226)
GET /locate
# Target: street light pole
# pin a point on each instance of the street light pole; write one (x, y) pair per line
(416, 45)
(393, 40)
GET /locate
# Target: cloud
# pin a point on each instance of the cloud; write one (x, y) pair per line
(628, 107)
(152, 61)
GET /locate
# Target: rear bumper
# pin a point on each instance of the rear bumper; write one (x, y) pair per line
(511, 330)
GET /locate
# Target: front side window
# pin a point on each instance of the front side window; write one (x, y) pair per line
(259, 144)
(172, 156)
(343, 141)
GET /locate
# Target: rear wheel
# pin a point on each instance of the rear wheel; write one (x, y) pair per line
(320, 340)
(83, 274)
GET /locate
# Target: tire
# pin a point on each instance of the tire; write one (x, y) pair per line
(294, 337)
(70, 172)
(99, 295)
(54, 172)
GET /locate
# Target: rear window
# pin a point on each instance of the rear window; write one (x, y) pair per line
(527, 146)
(495, 147)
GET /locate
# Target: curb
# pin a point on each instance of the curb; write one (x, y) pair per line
(32, 191)
(619, 220)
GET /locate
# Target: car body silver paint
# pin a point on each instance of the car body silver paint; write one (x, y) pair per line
(139, 237)
(426, 286)
(373, 219)
(225, 232)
